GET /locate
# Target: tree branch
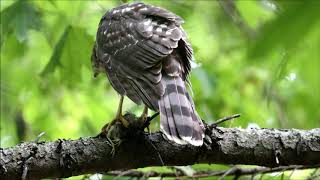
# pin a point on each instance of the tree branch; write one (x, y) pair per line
(232, 11)
(65, 158)
(235, 171)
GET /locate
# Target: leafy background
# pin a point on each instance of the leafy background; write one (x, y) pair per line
(261, 60)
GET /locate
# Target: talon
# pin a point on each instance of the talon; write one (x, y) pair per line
(110, 143)
(124, 122)
(113, 143)
(110, 129)
(113, 139)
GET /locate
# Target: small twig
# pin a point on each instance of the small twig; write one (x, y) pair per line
(85, 177)
(314, 177)
(146, 125)
(229, 171)
(149, 119)
(154, 116)
(184, 170)
(231, 10)
(261, 176)
(158, 153)
(36, 140)
(123, 173)
(288, 178)
(219, 121)
(200, 174)
(314, 174)
(24, 172)
(252, 176)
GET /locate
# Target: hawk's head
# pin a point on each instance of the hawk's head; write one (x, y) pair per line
(97, 65)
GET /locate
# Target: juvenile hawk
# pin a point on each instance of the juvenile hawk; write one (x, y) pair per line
(144, 52)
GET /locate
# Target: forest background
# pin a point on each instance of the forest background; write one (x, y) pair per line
(260, 59)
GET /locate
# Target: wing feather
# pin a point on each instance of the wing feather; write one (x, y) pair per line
(138, 37)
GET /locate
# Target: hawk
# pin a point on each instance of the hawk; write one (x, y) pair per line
(145, 54)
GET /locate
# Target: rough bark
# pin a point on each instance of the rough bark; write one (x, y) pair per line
(65, 158)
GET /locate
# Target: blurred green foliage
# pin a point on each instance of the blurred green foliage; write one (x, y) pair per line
(260, 59)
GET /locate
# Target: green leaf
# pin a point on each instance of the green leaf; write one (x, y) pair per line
(20, 17)
(72, 51)
(287, 30)
(76, 54)
(56, 55)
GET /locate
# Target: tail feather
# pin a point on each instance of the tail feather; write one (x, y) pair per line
(194, 113)
(168, 119)
(164, 125)
(178, 119)
(180, 108)
(198, 133)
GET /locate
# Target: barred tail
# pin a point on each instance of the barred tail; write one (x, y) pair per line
(178, 119)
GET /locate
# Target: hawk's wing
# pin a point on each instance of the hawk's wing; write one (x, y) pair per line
(134, 39)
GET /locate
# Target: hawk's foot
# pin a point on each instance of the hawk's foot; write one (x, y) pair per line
(106, 127)
(124, 122)
(113, 132)
(113, 142)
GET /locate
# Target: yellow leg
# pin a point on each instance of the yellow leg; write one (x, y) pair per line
(144, 114)
(144, 117)
(110, 129)
(119, 114)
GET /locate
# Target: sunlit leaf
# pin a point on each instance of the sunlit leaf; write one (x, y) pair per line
(287, 29)
(72, 51)
(76, 54)
(56, 55)
(19, 18)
